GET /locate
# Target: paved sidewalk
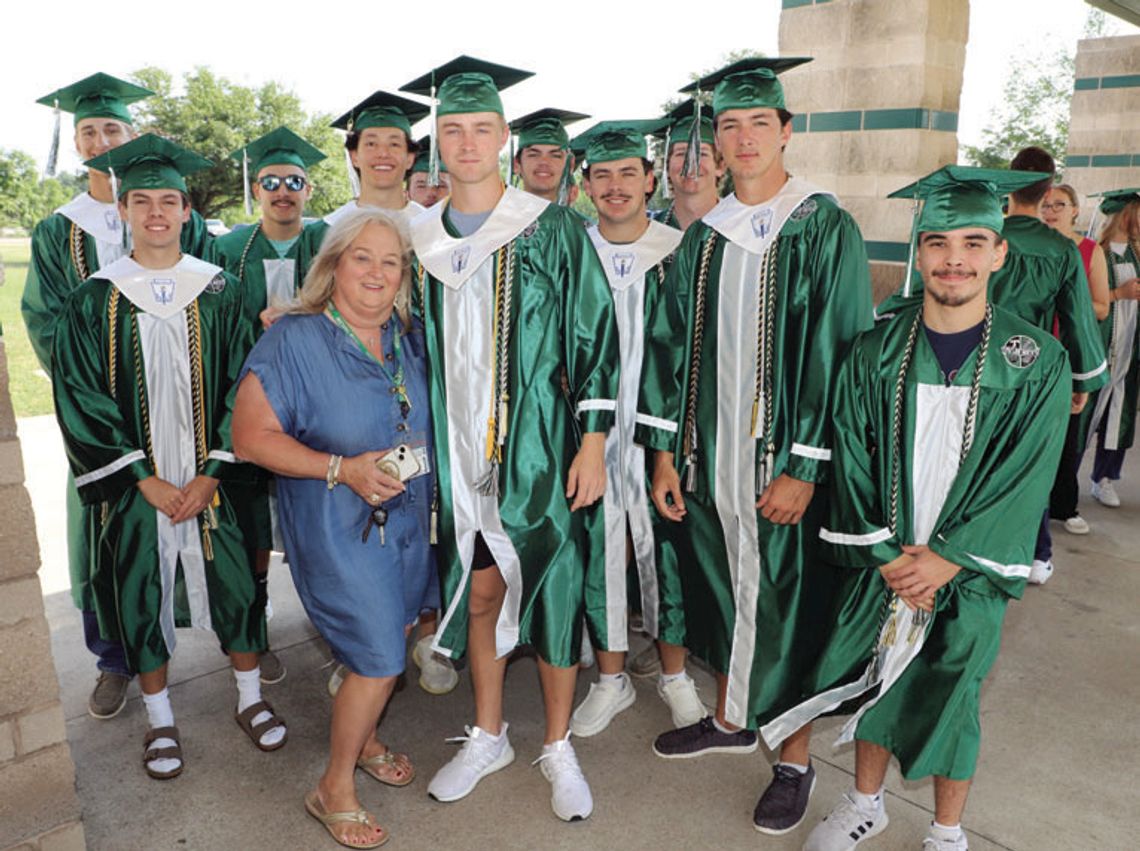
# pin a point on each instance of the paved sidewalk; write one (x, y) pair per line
(1058, 767)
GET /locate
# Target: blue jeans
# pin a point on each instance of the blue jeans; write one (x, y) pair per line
(112, 659)
(1043, 551)
(1107, 463)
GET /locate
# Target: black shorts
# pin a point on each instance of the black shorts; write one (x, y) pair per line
(482, 559)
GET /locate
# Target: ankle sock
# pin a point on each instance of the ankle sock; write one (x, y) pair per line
(249, 693)
(802, 769)
(946, 832)
(159, 713)
(868, 803)
(618, 680)
(668, 678)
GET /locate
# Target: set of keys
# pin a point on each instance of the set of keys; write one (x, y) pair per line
(378, 518)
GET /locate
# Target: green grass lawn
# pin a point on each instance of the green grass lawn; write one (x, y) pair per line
(29, 386)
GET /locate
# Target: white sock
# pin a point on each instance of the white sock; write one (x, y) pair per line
(947, 832)
(868, 803)
(802, 769)
(159, 713)
(249, 693)
(613, 679)
(668, 678)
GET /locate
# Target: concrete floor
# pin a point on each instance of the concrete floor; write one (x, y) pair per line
(1058, 766)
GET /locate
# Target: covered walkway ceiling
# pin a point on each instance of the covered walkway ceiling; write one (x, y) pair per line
(1128, 10)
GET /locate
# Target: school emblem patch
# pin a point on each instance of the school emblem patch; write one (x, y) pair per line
(217, 284)
(1021, 351)
(804, 210)
(112, 220)
(622, 262)
(163, 290)
(762, 222)
(459, 258)
(529, 230)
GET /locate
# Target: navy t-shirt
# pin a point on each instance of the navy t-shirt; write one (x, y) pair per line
(953, 349)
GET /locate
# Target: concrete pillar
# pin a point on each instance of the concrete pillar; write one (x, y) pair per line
(877, 109)
(39, 810)
(1104, 121)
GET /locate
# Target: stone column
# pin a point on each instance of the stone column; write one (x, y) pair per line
(39, 810)
(1104, 121)
(876, 109)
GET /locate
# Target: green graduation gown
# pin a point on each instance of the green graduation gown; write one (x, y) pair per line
(561, 323)
(1114, 405)
(753, 590)
(980, 511)
(631, 269)
(143, 373)
(1043, 277)
(70, 245)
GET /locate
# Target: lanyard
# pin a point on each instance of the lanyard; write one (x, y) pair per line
(397, 380)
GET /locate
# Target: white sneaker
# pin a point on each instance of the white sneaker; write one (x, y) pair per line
(933, 843)
(586, 656)
(1104, 492)
(481, 754)
(605, 700)
(680, 695)
(570, 796)
(1040, 572)
(846, 826)
(1077, 525)
(437, 673)
(335, 679)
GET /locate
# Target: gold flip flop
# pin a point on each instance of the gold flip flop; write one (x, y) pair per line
(314, 808)
(374, 765)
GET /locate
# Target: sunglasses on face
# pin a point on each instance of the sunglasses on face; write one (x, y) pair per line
(293, 182)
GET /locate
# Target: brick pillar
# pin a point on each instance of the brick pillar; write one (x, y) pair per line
(877, 109)
(39, 810)
(1104, 121)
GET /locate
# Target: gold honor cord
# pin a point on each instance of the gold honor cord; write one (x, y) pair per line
(888, 637)
(765, 365)
(689, 439)
(198, 400)
(79, 252)
(497, 420)
(254, 231)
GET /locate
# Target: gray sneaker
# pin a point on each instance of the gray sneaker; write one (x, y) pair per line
(109, 695)
(784, 803)
(702, 738)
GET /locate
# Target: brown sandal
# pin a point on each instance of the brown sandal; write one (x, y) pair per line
(316, 809)
(256, 731)
(169, 752)
(384, 766)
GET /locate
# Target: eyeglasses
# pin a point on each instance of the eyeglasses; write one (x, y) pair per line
(293, 182)
(1056, 206)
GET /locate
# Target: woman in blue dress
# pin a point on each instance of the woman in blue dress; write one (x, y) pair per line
(333, 400)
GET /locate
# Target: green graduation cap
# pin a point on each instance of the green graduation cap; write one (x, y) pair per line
(97, 96)
(382, 109)
(641, 127)
(463, 85)
(617, 140)
(148, 162)
(278, 147)
(545, 127)
(423, 156)
(685, 123)
(747, 84)
(466, 84)
(960, 196)
(1116, 200)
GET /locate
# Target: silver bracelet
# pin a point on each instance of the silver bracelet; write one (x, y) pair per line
(332, 475)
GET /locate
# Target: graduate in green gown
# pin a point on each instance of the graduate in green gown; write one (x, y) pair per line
(69, 246)
(421, 190)
(692, 191)
(765, 295)
(380, 151)
(543, 160)
(1109, 419)
(513, 298)
(635, 252)
(948, 424)
(142, 372)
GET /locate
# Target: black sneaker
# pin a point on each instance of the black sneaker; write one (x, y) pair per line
(702, 738)
(784, 803)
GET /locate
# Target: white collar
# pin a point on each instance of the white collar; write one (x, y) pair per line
(453, 260)
(164, 292)
(405, 214)
(98, 218)
(628, 262)
(754, 227)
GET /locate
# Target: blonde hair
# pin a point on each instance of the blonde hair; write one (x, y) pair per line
(320, 281)
(1126, 219)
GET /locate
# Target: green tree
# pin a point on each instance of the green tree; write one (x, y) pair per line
(214, 117)
(24, 198)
